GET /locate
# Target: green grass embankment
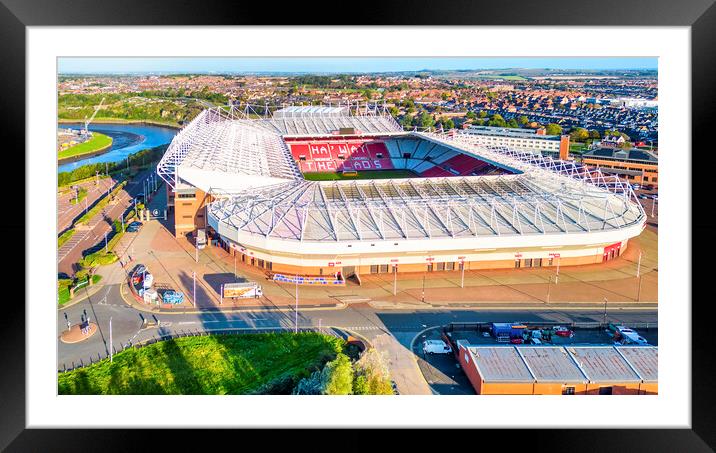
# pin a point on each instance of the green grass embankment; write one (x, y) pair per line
(207, 365)
(96, 143)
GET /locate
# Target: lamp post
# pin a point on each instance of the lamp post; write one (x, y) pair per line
(556, 277)
(395, 279)
(296, 323)
(605, 312)
(110, 339)
(69, 326)
(194, 296)
(638, 266)
(462, 274)
(549, 286)
(105, 242)
(653, 203)
(235, 277)
(423, 294)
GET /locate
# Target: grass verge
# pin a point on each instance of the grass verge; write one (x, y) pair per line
(64, 237)
(209, 365)
(96, 143)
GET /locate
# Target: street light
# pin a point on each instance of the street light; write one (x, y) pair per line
(423, 294)
(110, 339)
(462, 274)
(605, 311)
(296, 327)
(194, 296)
(395, 279)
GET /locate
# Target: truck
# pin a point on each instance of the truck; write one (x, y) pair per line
(242, 290)
(200, 238)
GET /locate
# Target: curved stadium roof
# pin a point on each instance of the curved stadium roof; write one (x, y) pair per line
(262, 195)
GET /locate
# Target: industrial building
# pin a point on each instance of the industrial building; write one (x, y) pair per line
(242, 176)
(560, 370)
(533, 140)
(635, 165)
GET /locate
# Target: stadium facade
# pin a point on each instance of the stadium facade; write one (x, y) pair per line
(243, 176)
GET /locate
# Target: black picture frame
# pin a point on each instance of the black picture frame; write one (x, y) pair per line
(16, 15)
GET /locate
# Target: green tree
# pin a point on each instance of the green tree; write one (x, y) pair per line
(523, 120)
(482, 114)
(470, 115)
(594, 134)
(338, 376)
(407, 122)
(371, 375)
(425, 120)
(553, 129)
(579, 134)
(512, 123)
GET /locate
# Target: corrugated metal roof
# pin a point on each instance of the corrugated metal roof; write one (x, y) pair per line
(644, 359)
(551, 363)
(603, 364)
(500, 363)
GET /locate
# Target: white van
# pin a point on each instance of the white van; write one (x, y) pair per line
(436, 347)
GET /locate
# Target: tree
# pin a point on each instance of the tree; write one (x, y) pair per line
(512, 123)
(336, 378)
(407, 122)
(425, 120)
(579, 134)
(553, 129)
(482, 114)
(523, 120)
(470, 115)
(371, 375)
(594, 134)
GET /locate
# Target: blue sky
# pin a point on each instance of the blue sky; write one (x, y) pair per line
(75, 65)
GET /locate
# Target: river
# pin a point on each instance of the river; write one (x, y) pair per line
(126, 139)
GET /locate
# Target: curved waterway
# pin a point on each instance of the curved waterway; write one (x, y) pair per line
(126, 139)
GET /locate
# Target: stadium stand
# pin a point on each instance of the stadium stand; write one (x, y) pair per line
(420, 156)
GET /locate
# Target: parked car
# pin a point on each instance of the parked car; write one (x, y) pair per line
(436, 347)
(563, 332)
(134, 226)
(173, 297)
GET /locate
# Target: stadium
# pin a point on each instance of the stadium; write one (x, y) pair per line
(344, 190)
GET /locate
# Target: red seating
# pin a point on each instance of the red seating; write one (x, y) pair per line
(339, 155)
(435, 172)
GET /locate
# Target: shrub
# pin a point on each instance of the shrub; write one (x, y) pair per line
(336, 378)
(371, 375)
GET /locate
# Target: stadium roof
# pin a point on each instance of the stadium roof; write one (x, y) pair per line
(230, 150)
(548, 197)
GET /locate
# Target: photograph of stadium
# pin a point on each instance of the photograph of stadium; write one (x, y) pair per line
(227, 227)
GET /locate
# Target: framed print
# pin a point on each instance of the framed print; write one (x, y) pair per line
(456, 212)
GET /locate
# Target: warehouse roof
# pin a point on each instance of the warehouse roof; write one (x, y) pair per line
(500, 363)
(567, 364)
(551, 363)
(603, 364)
(643, 359)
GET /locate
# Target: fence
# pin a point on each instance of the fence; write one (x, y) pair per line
(486, 326)
(92, 359)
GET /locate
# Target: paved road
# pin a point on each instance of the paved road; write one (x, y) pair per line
(67, 212)
(364, 319)
(71, 251)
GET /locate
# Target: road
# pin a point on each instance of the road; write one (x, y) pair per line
(67, 212)
(71, 251)
(362, 318)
